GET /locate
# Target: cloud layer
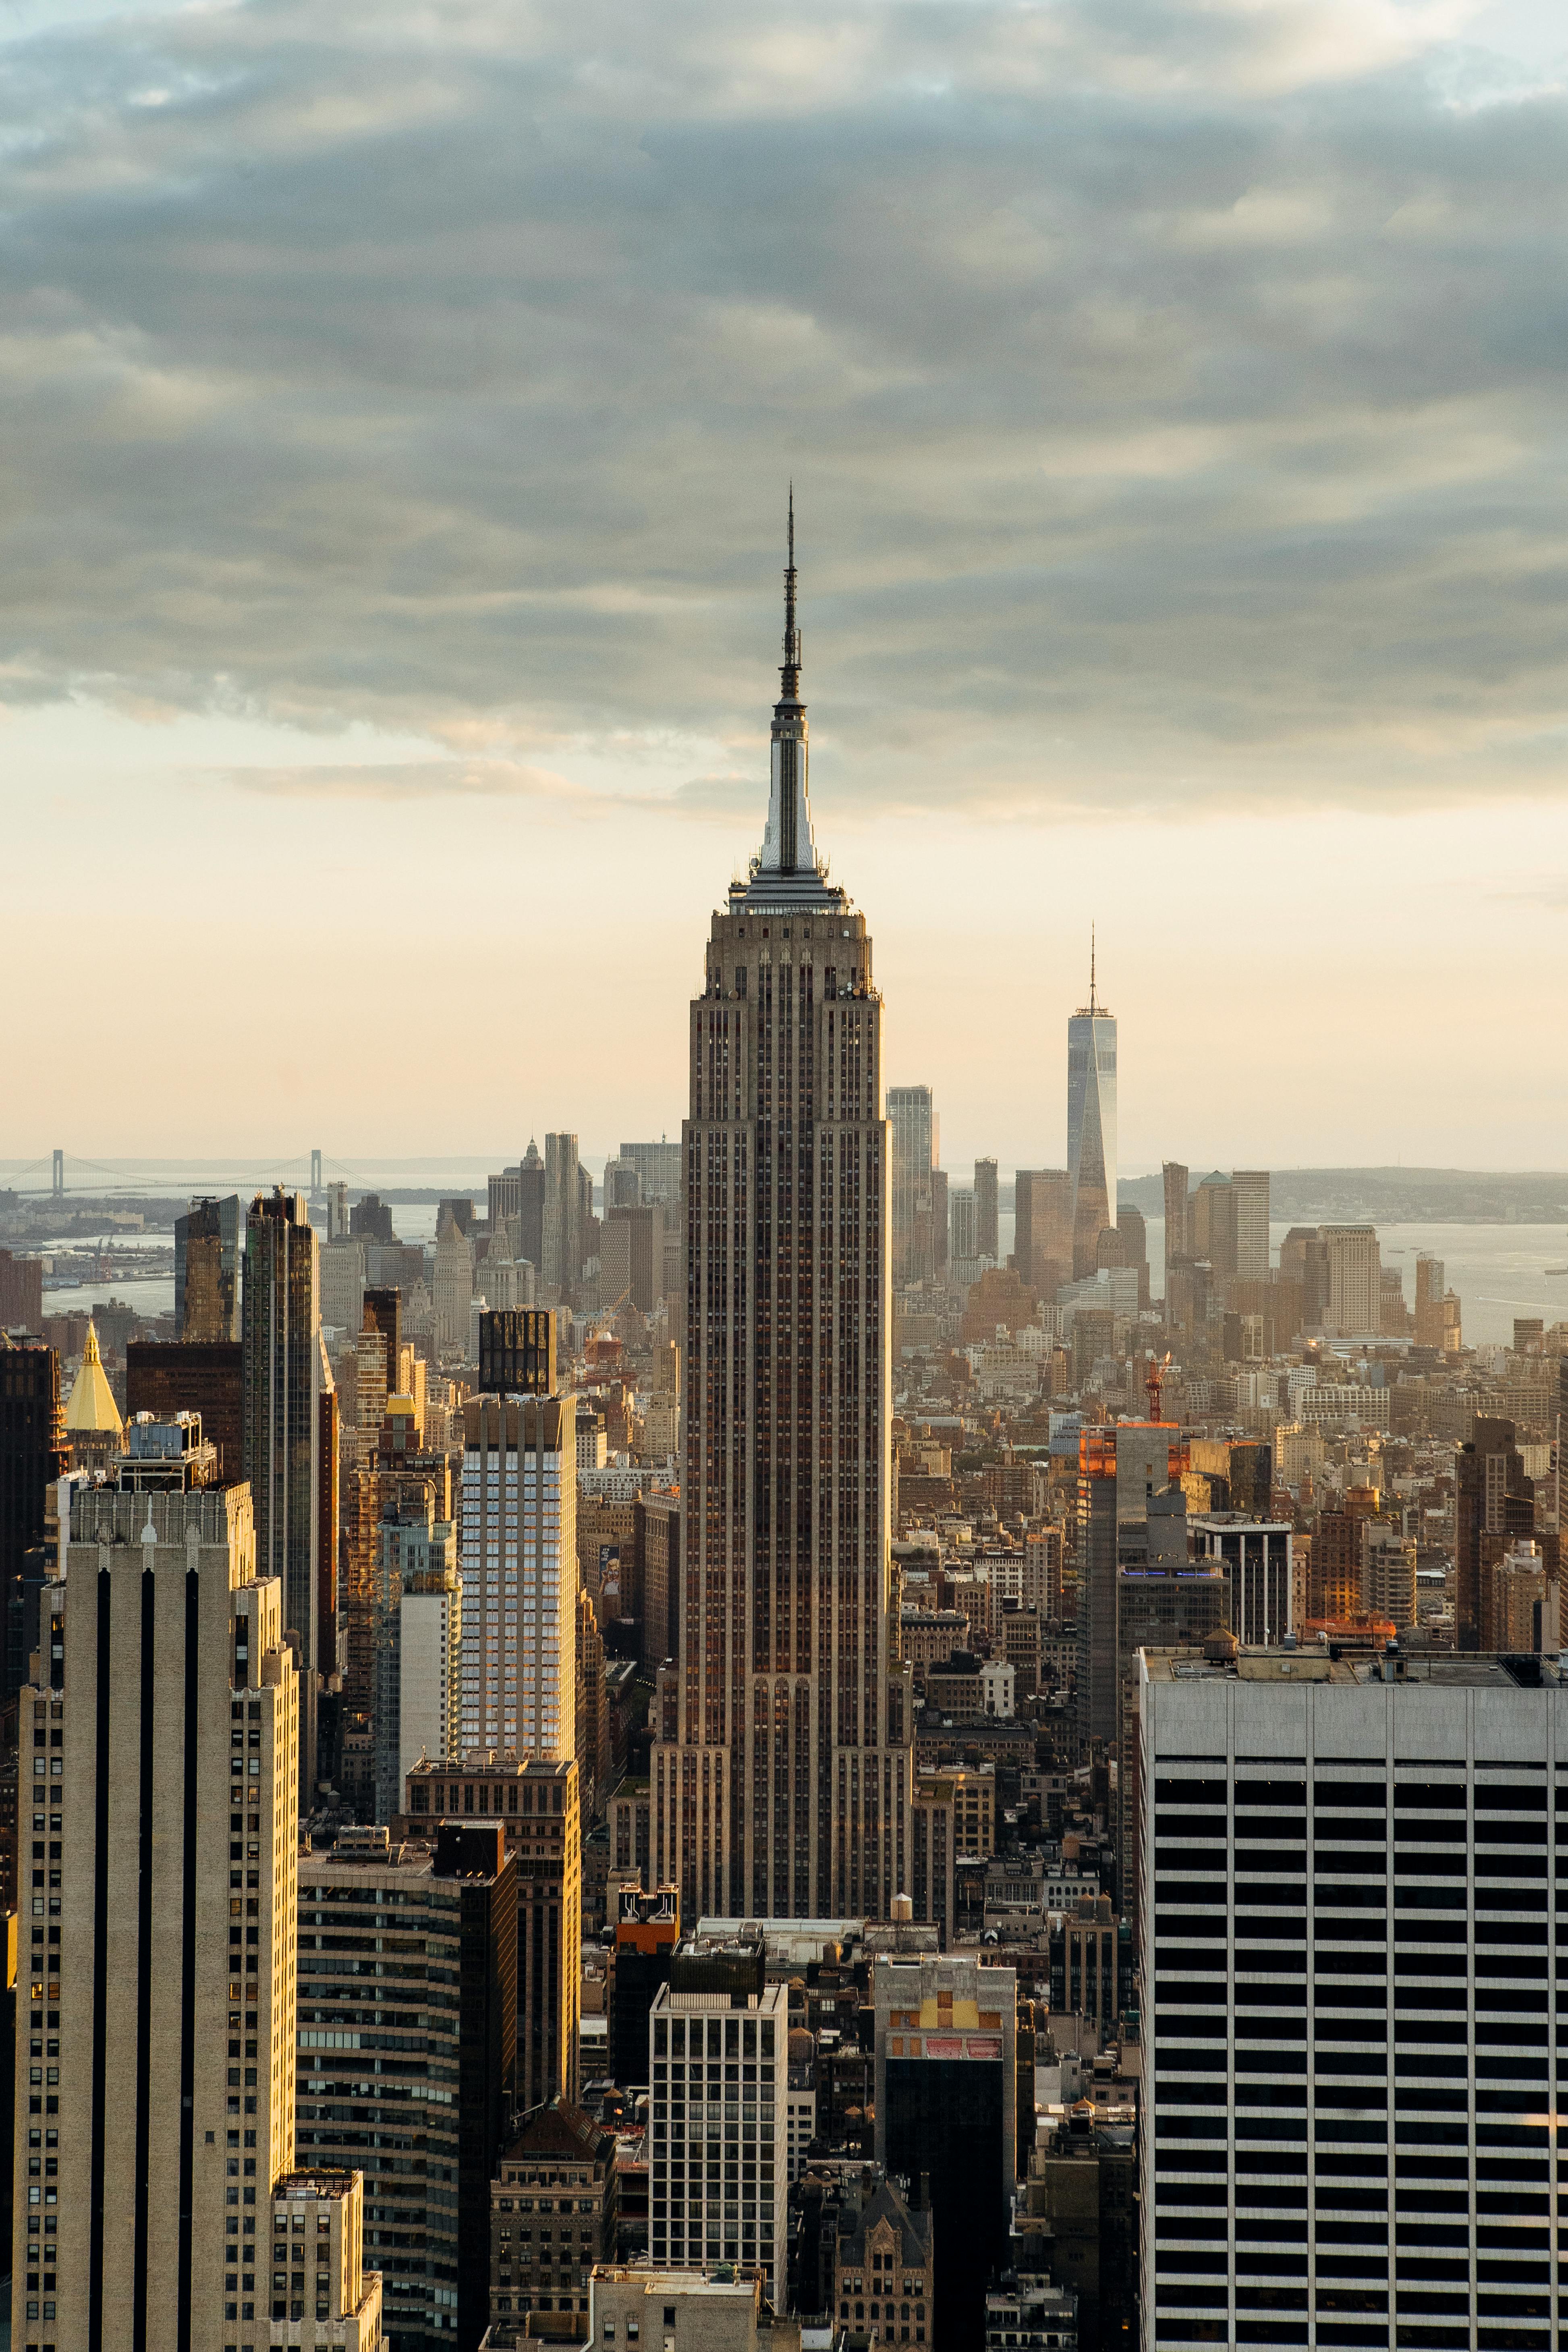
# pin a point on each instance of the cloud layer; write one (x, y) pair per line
(1173, 393)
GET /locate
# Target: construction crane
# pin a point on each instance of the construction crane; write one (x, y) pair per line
(1155, 1383)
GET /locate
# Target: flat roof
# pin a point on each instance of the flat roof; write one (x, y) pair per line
(1313, 1663)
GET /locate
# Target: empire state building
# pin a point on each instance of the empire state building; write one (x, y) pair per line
(784, 1755)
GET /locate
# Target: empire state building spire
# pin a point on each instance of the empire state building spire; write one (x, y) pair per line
(783, 1768)
(789, 856)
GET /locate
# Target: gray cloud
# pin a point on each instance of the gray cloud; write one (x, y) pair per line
(1172, 392)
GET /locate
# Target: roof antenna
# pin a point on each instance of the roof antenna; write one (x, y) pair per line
(789, 674)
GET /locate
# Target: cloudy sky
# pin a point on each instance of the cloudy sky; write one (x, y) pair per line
(397, 399)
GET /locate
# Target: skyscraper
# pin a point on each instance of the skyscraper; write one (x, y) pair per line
(1120, 1471)
(167, 1741)
(561, 1261)
(946, 2106)
(32, 1457)
(1091, 1124)
(1354, 1306)
(738, 2213)
(519, 1573)
(1251, 1188)
(207, 1282)
(1348, 2111)
(1177, 1238)
(282, 1373)
(784, 1755)
(1042, 1228)
(913, 1120)
(437, 2112)
(986, 1222)
(1494, 1508)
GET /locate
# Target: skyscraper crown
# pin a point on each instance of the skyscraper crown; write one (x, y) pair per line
(788, 866)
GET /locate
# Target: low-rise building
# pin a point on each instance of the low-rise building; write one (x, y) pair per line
(1033, 2314)
(884, 2273)
(553, 2217)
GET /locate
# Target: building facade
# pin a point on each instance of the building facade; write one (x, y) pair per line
(946, 2102)
(987, 1226)
(408, 1959)
(1091, 1126)
(553, 2219)
(282, 1374)
(1256, 1555)
(518, 1561)
(158, 1981)
(536, 1805)
(718, 2180)
(781, 1767)
(1348, 2111)
(912, 1117)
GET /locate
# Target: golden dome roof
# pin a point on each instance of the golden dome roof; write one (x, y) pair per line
(93, 1406)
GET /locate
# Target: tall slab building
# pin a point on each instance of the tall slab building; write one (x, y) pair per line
(156, 2145)
(783, 1753)
(1091, 1126)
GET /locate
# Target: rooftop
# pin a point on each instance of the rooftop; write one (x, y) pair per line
(1344, 1665)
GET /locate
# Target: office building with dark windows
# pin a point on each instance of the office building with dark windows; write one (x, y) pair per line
(783, 1755)
(536, 1805)
(946, 2104)
(407, 2024)
(1350, 2031)
(282, 1380)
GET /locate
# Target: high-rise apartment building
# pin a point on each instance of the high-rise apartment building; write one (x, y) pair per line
(1091, 1126)
(282, 1379)
(413, 1949)
(987, 1226)
(518, 1561)
(964, 1225)
(946, 2106)
(1348, 2104)
(718, 2171)
(783, 1735)
(1042, 1228)
(912, 1116)
(159, 1969)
